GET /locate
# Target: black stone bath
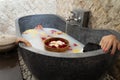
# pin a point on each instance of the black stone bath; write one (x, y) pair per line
(58, 66)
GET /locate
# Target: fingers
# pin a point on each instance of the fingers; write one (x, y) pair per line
(23, 41)
(102, 43)
(105, 45)
(114, 47)
(108, 42)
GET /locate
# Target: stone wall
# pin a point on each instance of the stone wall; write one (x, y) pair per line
(104, 13)
(12, 9)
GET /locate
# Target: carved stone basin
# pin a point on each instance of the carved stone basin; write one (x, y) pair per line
(68, 66)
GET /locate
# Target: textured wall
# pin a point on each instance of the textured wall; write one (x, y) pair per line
(104, 13)
(12, 9)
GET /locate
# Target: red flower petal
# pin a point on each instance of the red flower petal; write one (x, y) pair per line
(75, 44)
(43, 38)
(53, 31)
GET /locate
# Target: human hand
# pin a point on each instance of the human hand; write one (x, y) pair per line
(108, 42)
(23, 41)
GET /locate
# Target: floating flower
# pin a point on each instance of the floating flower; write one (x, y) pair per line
(32, 31)
(56, 43)
(76, 50)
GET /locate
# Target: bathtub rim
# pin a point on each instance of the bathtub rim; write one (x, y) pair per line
(64, 55)
(55, 54)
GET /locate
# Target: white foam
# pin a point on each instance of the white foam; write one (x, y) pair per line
(36, 41)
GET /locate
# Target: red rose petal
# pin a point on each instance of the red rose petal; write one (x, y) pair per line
(75, 44)
(53, 31)
(43, 38)
(48, 36)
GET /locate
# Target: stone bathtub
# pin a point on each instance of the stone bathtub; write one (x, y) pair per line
(68, 66)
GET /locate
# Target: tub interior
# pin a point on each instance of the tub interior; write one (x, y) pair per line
(37, 37)
(83, 35)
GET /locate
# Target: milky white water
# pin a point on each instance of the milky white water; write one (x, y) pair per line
(36, 38)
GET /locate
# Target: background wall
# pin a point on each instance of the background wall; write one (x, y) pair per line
(104, 13)
(12, 9)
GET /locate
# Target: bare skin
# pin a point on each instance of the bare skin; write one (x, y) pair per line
(110, 42)
(107, 42)
(22, 40)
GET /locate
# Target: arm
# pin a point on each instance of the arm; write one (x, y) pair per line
(110, 42)
(23, 41)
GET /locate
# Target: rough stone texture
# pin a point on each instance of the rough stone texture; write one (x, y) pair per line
(28, 76)
(24, 70)
(12, 9)
(104, 13)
